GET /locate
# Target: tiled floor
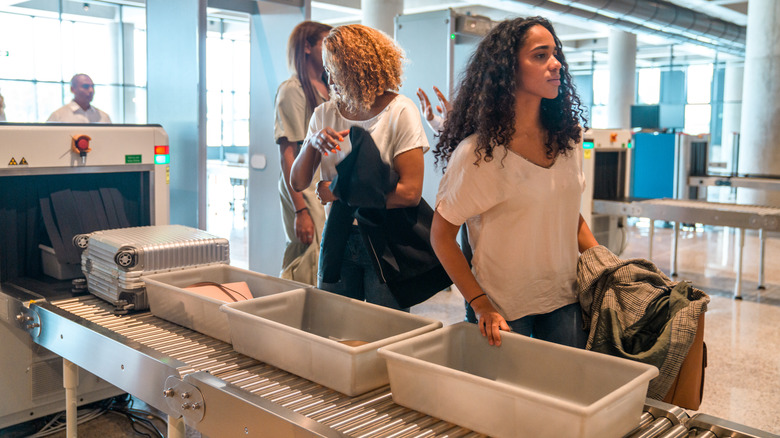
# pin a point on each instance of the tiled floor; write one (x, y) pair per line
(742, 336)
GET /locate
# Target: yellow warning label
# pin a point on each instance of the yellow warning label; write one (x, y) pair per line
(23, 162)
(12, 162)
(587, 154)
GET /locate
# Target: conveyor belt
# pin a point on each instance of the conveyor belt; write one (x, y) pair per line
(373, 414)
(742, 217)
(237, 390)
(687, 211)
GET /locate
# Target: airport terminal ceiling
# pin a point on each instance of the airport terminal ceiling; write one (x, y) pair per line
(683, 31)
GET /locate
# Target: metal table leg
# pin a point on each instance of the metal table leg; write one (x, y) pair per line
(761, 247)
(176, 428)
(740, 247)
(70, 380)
(651, 234)
(675, 238)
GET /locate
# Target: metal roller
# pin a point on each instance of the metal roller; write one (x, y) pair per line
(212, 367)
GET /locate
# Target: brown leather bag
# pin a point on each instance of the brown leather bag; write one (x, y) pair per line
(688, 388)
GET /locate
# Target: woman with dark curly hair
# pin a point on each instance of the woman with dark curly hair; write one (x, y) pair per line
(513, 175)
(364, 67)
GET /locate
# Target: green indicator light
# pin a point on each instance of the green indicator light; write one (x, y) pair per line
(629, 145)
(162, 159)
(587, 145)
(452, 36)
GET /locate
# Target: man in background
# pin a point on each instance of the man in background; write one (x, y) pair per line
(79, 109)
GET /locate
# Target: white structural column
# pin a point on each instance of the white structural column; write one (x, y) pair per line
(622, 73)
(759, 152)
(732, 110)
(380, 14)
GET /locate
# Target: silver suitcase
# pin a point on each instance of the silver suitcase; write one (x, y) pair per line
(114, 260)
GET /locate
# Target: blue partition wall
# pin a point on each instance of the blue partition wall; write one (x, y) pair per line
(653, 165)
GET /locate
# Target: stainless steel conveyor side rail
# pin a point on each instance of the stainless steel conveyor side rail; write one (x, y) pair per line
(757, 183)
(124, 363)
(232, 392)
(679, 211)
(219, 392)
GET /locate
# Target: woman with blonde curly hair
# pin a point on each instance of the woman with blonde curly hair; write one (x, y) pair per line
(364, 68)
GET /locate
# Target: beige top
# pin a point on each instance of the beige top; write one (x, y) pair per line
(291, 116)
(522, 221)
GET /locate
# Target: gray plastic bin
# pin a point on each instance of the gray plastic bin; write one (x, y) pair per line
(524, 388)
(170, 301)
(299, 332)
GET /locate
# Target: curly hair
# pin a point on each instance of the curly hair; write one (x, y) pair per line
(306, 32)
(485, 101)
(363, 63)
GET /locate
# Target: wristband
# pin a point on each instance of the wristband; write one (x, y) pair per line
(472, 300)
(304, 208)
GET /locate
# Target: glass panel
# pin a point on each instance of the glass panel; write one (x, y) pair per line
(16, 52)
(241, 66)
(47, 51)
(100, 60)
(241, 128)
(241, 106)
(227, 119)
(699, 82)
(19, 107)
(215, 67)
(50, 97)
(139, 57)
(140, 106)
(213, 132)
(599, 117)
(697, 119)
(108, 98)
(66, 42)
(600, 88)
(649, 86)
(213, 104)
(227, 132)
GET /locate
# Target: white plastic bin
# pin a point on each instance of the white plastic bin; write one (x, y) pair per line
(524, 388)
(299, 332)
(53, 268)
(170, 301)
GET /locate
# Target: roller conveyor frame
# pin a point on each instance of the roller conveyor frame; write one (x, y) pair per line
(201, 382)
(679, 211)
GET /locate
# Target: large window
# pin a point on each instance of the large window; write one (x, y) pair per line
(227, 83)
(649, 86)
(46, 43)
(698, 111)
(599, 115)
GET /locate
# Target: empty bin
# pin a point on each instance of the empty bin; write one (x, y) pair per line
(524, 388)
(170, 301)
(306, 332)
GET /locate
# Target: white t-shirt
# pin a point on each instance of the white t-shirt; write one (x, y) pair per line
(395, 130)
(522, 221)
(73, 113)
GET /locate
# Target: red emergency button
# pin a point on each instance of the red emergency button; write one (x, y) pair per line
(80, 145)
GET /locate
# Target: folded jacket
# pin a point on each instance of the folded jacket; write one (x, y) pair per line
(633, 310)
(397, 239)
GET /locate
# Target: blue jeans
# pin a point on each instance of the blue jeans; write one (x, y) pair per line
(562, 326)
(358, 277)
